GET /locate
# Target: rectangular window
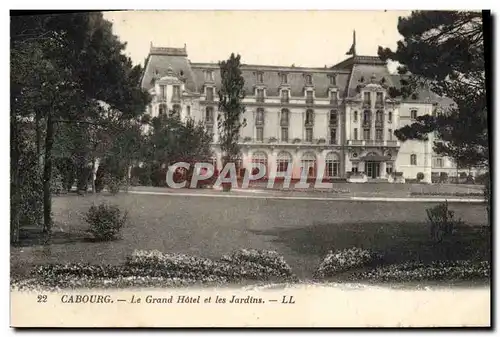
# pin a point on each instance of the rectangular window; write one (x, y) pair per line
(284, 78)
(210, 94)
(332, 169)
(309, 135)
(366, 97)
(282, 166)
(308, 79)
(439, 162)
(333, 136)
(176, 93)
(413, 159)
(284, 134)
(332, 80)
(333, 97)
(209, 115)
(355, 133)
(380, 97)
(260, 134)
(413, 114)
(259, 118)
(284, 96)
(309, 96)
(355, 116)
(354, 167)
(260, 95)
(188, 111)
(379, 134)
(209, 75)
(390, 134)
(259, 77)
(366, 134)
(163, 92)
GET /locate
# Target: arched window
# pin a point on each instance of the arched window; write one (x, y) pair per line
(260, 158)
(413, 159)
(162, 109)
(308, 164)
(332, 165)
(309, 117)
(282, 161)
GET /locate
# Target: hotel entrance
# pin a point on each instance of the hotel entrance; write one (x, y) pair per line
(372, 169)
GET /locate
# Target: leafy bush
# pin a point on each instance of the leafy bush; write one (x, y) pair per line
(345, 260)
(443, 177)
(113, 184)
(106, 221)
(266, 258)
(463, 175)
(438, 270)
(420, 176)
(442, 221)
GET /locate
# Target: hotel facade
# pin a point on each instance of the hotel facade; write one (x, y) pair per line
(337, 121)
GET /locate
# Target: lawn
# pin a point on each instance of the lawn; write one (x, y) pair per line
(303, 231)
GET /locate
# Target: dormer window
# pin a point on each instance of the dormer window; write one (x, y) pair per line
(259, 95)
(308, 79)
(176, 94)
(284, 78)
(163, 92)
(285, 96)
(333, 97)
(333, 80)
(309, 96)
(366, 98)
(210, 94)
(209, 75)
(260, 77)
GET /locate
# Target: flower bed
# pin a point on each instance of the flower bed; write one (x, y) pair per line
(154, 268)
(435, 271)
(345, 260)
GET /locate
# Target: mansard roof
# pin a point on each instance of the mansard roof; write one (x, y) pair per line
(349, 74)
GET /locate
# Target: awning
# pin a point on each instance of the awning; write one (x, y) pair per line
(375, 158)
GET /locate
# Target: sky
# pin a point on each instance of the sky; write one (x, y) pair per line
(302, 38)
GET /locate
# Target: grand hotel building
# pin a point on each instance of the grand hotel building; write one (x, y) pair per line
(334, 120)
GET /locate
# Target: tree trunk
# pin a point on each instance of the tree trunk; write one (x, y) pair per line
(93, 175)
(47, 176)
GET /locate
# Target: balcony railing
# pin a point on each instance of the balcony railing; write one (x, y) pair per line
(259, 99)
(392, 143)
(285, 100)
(309, 123)
(379, 104)
(356, 142)
(367, 104)
(379, 123)
(309, 100)
(334, 122)
(367, 123)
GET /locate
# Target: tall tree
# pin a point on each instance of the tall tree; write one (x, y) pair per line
(80, 62)
(444, 51)
(231, 109)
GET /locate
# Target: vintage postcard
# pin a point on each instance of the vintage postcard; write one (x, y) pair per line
(250, 169)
